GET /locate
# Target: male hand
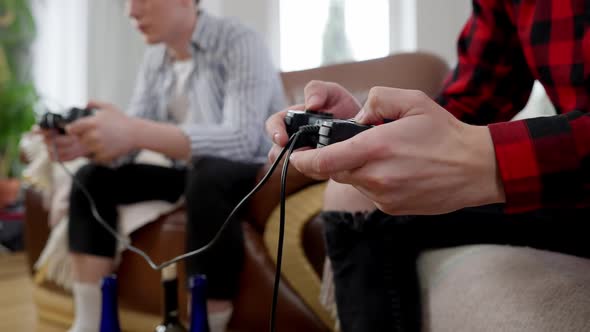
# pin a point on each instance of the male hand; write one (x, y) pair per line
(319, 96)
(62, 147)
(107, 135)
(424, 162)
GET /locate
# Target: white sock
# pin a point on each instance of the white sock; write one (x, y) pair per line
(218, 320)
(87, 307)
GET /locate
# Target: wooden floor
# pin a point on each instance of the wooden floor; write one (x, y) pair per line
(17, 312)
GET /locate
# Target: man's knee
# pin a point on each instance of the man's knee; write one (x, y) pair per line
(92, 177)
(85, 234)
(91, 182)
(210, 175)
(209, 166)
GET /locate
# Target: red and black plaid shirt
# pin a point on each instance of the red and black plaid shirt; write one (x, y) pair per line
(505, 46)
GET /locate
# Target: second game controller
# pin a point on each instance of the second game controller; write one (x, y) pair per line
(334, 131)
(296, 119)
(59, 121)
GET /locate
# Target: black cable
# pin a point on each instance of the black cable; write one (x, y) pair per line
(275, 292)
(126, 243)
(309, 129)
(289, 147)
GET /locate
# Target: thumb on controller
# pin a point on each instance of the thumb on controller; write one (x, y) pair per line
(81, 126)
(387, 104)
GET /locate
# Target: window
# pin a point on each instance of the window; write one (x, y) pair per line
(59, 54)
(320, 32)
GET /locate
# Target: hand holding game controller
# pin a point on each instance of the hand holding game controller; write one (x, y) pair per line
(60, 145)
(63, 147)
(425, 162)
(325, 97)
(102, 136)
(59, 121)
(329, 130)
(107, 135)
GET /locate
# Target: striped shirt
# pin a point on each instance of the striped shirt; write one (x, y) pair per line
(232, 90)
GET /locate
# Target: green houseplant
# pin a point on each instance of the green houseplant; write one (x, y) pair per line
(17, 93)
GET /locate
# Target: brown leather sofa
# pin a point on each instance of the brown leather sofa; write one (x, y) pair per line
(140, 294)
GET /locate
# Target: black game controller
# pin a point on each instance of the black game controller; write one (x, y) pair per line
(330, 130)
(296, 119)
(334, 131)
(59, 121)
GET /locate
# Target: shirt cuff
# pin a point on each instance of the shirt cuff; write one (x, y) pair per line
(518, 165)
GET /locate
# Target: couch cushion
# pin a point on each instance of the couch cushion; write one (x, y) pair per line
(502, 288)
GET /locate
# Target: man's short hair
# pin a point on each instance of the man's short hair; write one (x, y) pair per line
(197, 2)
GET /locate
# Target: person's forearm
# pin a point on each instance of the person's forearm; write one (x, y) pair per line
(164, 138)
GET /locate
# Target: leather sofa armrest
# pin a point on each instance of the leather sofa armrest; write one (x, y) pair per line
(265, 200)
(255, 297)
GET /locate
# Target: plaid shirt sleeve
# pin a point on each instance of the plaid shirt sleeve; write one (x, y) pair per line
(491, 81)
(544, 162)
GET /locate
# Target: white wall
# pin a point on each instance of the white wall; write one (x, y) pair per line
(60, 52)
(403, 30)
(115, 51)
(212, 6)
(438, 25)
(262, 15)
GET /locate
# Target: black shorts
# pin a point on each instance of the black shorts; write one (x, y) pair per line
(212, 187)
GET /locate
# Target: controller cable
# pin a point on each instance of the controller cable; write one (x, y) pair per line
(288, 149)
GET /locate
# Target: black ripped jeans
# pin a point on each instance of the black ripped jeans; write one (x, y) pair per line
(374, 255)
